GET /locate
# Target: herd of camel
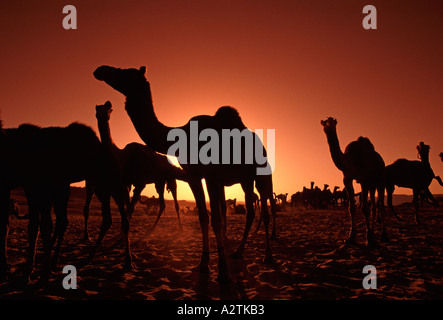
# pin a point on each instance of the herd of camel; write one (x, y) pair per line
(45, 161)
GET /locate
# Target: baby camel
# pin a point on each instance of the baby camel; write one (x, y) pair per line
(362, 163)
(140, 165)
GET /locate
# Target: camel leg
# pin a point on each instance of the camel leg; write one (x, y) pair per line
(416, 204)
(429, 195)
(39, 204)
(105, 199)
(260, 220)
(121, 197)
(135, 198)
(172, 186)
(61, 198)
(203, 217)
(264, 186)
(4, 230)
(248, 188)
(32, 232)
(351, 208)
(266, 220)
(223, 210)
(89, 194)
(366, 209)
(214, 190)
(274, 214)
(390, 190)
(160, 187)
(46, 229)
(382, 211)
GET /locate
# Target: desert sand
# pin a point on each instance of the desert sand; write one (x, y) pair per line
(309, 260)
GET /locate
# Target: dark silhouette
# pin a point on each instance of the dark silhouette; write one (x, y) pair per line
(45, 161)
(139, 165)
(339, 197)
(296, 200)
(416, 175)
(133, 84)
(441, 156)
(362, 163)
(149, 203)
(230, 203)
(14, 210)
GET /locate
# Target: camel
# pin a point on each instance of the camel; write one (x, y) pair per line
(256, 200)
(230, 203)
(416, 175)
(282, 198)
(139, 165)
(14, 210)
(296, 200)
(45, 161)
(362, 163)
(133, 84)
(149, 203)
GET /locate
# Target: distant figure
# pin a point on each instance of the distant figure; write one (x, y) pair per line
(296, 200)
(256, 202)
(441, 156)
(230, 203)
(14, 210)
(362, 163)
(149, 204)
(416, 175)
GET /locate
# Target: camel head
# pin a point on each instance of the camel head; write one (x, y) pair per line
(329, 124)
(103, 112)
(125, 81)
(423, 150)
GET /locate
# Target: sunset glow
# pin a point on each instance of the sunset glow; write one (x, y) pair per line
(284, 65)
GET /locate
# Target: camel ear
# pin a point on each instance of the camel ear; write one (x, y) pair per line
(108, 105)
(142, 70)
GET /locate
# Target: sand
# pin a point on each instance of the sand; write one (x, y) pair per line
(309, 261)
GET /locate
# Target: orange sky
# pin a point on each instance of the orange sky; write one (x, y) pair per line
(285, 65)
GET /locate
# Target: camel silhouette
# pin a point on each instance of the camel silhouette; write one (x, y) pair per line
(133, 84)
(45, 161)
(362, 163)
(441, 156)
(231, 203)
(416, 175)
(139, 165)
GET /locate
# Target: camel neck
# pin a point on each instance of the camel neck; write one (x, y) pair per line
(105, 133)
(140, 109)
(335, 150)
(425, 159)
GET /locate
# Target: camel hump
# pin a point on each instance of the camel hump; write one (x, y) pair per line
(227, 111)
(82, 129)
(366, 144)
(229, 114)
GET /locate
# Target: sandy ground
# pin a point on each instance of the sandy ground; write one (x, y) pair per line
(308, 261)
